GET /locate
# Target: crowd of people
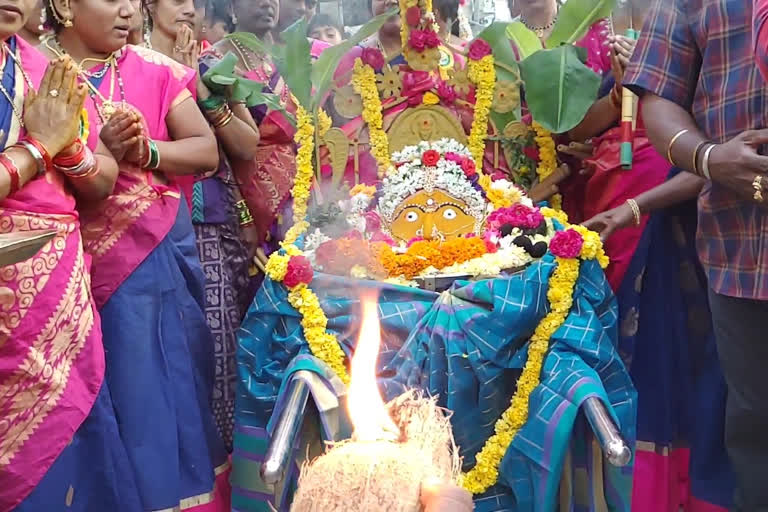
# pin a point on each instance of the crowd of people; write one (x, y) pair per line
(118, 341)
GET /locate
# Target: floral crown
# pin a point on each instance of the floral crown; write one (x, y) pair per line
(445, 165)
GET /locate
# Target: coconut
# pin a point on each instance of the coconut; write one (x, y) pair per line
(383, 475)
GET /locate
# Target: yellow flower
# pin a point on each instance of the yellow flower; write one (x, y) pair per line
(277, 265)
(560, 296)
(506, 97)
(364, 83)
(483, 74)
(324, 121)
(547, 158)
(430, 98)
(360, 188)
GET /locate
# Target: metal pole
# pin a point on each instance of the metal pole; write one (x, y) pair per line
(615, 449)
(286, 431)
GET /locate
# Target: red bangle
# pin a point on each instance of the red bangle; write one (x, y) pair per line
(13, 172)
(44, 152)
(73, 159)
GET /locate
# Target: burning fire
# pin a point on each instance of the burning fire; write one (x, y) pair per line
(366, 407)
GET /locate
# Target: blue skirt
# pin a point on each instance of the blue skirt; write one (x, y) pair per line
(160, 366)
(92, 473)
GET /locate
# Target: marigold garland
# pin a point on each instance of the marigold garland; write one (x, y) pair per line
(483, 74)
(560, 295)
(547, 158)
(305, 139)
(322, 344)
(364, 82)
(424, 254)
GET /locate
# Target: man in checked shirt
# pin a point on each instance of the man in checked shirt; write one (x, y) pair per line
(705, 106)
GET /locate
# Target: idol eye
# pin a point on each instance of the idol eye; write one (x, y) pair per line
(412, 216)
(449, 214)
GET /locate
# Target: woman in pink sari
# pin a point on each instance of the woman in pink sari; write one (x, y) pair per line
(55, 409)
(146, 277)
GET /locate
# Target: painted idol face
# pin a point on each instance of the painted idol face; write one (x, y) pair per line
(435, 215)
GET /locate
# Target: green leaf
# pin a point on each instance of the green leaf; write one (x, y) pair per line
(295, 65)
(326, 64)
(559, 87)
(526, 42)
(575, 18)
(503, 53)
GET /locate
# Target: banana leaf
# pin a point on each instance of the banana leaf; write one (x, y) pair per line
(222, 80)
(575, 18)
(495, 35)
(326, 64)
(559, 87)
(295, 62)
(526, 42)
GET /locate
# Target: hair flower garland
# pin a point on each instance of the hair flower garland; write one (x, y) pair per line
(483, 74)
(364, 82)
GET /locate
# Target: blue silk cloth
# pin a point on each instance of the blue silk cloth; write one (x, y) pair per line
(467, 346)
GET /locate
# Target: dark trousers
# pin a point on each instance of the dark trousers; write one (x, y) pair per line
(741, 329)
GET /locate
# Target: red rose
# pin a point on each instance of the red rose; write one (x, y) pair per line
(299, 272)
(531, 152)
(566, 244)
(372, 221)
(468, 166)
(418, 40)
(413, 16)
(372, 57)
(479, 49)
(430, 158)
(490, 247)
(432, 40)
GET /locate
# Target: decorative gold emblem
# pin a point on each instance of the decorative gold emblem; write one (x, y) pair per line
(347, 102)
(425, 123)
(506, 97)
(389, 83)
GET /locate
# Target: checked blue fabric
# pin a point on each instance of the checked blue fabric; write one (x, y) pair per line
(467, 346)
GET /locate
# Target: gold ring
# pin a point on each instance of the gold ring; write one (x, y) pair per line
(757, 185)
(54, 93)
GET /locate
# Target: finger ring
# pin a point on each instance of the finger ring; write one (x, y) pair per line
(177, 49)
(757, 185)
(54, 93)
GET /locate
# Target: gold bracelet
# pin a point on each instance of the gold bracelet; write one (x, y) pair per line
(635, 211)
(672, 142)
(696, 155)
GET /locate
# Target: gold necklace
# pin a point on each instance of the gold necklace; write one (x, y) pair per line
(244, 55)
(107, 108)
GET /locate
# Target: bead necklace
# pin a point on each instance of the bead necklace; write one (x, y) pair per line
(6, 52)
(542, 29)
(244, 53)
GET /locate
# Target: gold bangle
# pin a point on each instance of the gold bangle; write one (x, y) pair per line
(696, 155)
(635, 211)
(672, 142)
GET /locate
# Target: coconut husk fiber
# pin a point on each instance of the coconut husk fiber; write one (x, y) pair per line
(383, 476)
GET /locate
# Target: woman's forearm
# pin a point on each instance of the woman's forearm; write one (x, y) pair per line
(240, 137)
(600, 116)
(682, 187)
(100, 185)
(26, 168)
(191, 155)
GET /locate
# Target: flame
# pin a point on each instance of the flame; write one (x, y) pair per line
(366, 407)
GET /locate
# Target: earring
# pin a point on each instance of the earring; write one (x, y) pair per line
(66, 22)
